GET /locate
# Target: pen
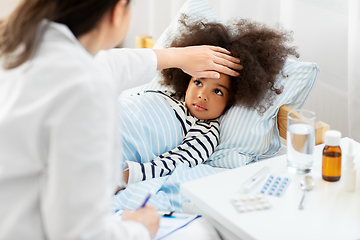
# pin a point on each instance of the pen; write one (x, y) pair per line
(146, 200)
(178, 217)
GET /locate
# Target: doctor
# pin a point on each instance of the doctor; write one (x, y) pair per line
(58, 116)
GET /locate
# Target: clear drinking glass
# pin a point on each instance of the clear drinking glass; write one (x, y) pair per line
(300, 140)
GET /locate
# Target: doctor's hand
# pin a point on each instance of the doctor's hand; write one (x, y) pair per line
(147, 216)
(199, 61)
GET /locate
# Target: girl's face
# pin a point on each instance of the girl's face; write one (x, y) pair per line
(207, 98)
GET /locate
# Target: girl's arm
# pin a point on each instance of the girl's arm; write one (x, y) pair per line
(197, 146)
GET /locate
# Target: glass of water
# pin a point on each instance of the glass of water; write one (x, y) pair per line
(300, 140)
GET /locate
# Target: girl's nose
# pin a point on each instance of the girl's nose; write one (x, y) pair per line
(202, 96)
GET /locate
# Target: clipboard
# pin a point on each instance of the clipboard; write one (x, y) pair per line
(170, 222)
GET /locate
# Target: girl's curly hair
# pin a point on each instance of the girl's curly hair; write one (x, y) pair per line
(261, 50)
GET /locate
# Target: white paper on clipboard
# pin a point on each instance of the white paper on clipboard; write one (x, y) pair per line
(168, 225)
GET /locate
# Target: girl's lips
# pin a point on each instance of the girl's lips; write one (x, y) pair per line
(199, 107)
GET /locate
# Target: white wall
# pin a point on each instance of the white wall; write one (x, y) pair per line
(322, 37)
(153, 16)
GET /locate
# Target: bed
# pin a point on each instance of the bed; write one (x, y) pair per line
(146, 41)
(262, 136)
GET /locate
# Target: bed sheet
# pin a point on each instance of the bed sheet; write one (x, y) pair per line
(165, 190)
(166, 196)
(282, 151)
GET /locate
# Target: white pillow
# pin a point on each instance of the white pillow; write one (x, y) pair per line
(245, 136)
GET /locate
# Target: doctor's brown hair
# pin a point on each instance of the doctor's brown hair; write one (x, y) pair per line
(19, 32)
(262, 52)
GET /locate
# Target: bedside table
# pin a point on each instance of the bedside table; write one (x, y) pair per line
(329, 213)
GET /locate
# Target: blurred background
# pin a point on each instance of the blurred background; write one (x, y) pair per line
(325, 31)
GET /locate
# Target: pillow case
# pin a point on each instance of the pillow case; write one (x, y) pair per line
(245, 136)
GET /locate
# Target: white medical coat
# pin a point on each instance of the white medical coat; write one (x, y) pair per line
(59, 140)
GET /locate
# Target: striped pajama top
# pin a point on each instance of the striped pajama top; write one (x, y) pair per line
(199, 138)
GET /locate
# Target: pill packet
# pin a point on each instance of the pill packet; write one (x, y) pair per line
(250, 202)
(275, 185)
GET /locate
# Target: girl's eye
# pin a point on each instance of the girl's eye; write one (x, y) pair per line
(218, 92)
(198, 83)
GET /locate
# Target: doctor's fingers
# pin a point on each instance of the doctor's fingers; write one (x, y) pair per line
(224, 53)
(227, 61)
(214, 71)
(220, 68)
(224, 63)
(146, 215)
(151, 219)
(225, 56)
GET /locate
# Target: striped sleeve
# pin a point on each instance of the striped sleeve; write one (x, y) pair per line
(197, 146)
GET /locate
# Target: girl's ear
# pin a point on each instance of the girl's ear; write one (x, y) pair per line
(118, 13)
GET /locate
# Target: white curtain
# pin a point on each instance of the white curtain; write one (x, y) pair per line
(354, 69)
(326, 32)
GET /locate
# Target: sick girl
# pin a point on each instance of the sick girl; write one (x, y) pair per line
(195, 104)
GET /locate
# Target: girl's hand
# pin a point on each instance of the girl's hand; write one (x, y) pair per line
(199, 61)
(147, 216)
(126, 176)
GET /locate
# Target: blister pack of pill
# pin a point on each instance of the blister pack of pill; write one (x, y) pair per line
(248, 203)
(275, 185)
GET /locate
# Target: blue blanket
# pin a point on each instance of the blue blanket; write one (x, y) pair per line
(148, 128)
(165, 190)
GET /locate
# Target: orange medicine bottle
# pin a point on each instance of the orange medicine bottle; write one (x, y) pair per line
(331, 156)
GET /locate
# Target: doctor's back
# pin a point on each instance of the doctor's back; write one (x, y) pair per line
(45, 105)
(58, 139)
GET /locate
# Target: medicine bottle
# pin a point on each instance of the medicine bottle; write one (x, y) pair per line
(331, 157)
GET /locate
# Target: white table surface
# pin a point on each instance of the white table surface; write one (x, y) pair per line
(330, 212)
